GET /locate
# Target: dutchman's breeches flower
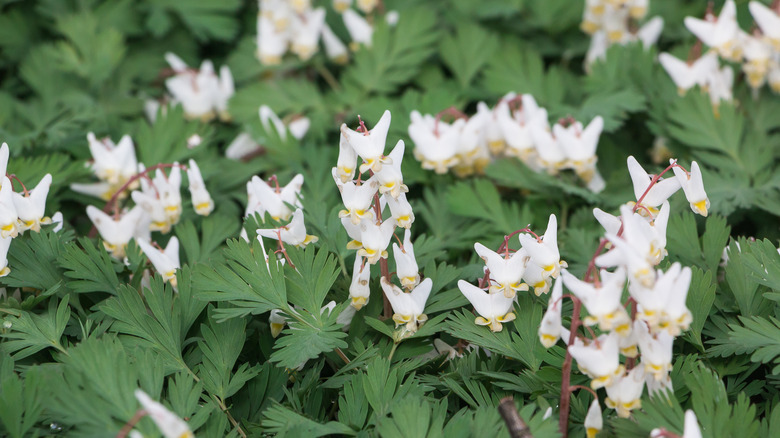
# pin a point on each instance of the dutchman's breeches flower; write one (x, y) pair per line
(625, 394)
(506, 271)
(693, 186)
(408, 308)
(550, 328)
(494, 309)
(370, 145)
(359, 291)
(599, 359)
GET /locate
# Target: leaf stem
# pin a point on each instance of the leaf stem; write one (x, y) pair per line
(563, 420)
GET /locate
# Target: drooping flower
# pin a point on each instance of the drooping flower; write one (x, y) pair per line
(306, 30)
(5, 244)
(9, 220)
(693, 187)
(544, 253)
(686, 75)
(276, 321)
(719, 33)
(113, 163)
(359, 292)
(201, 200)
(30, 208)
(768, 21)
(347, 160)
(494, 309)
(405, 263)
(656, 350)
(436, 142)
(359, 29)
(370, 146)
(166, 261)
(273, 200)
(391, 179)
(400, 209)
(334, 48)
(294, 233)
(506, 272)
(116, 233)
(593, 420)
(625, 394)
(357, 198)
(599, 360)
(170, 425)
(657, 194)
(550, 328)
(408, 308)
(603, 302)
(375, 239)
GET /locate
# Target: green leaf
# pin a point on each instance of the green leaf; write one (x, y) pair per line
(481, 200)
(694, 122)
(757, 336)
(206, 19)
(215, 229)
(92, 269)
(285, 422)
(33, 261)
(701, 296)
(467, 50)
(32, 333)
(21, 398)
(396, 53)
(308, 336)
(244, 279)
(311, 280)
(516, 67)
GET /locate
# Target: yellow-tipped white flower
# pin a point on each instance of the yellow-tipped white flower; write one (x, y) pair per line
(115, 233)
(599, 359)
(359, 291)
(5, 243)
(494, 309)
(693, 186)
(593, 420)
(357, 199)
(625, 393)
(405, 263)
(276, 321)
(391, 179)
(9, 220)
(370, 146)
(506, 271)
(293, 233)
(375, 239)
(201, 200)
(408, 308)
(166, 261)
(30, 208)
(603, 302)
(550, 328)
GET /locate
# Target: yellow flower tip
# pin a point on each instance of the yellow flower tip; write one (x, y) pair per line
(615, 36)
(358, 302)
(592, 432)
(354, 244)
(276, 328)
(700, 207)
(601, 382)
(509, 292)
(548, 268)
(340, 7)
(589, 27)
(309, 239)
(481, 321)
(506, 318)
(637, 12)
(623, 330)
(401, 319)
(631, 351)
(496, 146)
(548, 340)
(5, 271)
(187, 434)
(204, 208)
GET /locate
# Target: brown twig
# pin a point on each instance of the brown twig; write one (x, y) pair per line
(141, 413)
(563, 420)
(515, 424)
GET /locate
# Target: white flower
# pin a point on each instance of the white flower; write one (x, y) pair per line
(276, 321)
(544, 254)
(579, 145)
(603, 303)
(57, 218)
(370, 146)
(551, 155)
(347, 160)
(614, 23)
(341, 5)
(611, 224)
(625, 393)
(225, 90)
(515, 126)
(757, 54)
(400, 209)
(241, 146)
(195, 90)
(359, 292)
(357, 198)
(375, 239)
(306, 30)
(5, 243)
(494, 309)
(169, 423)
(720, 33)
(8, 218)
(298, 127)
(115, 233)
(768, 21)
(271, 43)
(166, 262)
(367, 5)
(599, 360)
(639, 269)
(359, 29)
(686, 75)
(391, 179)
(167, 189)
(693, 186)
(436, 142)
(597, 49)
(506, 272)
(692, 429)
(656, 195)
(158, 220)
(201, 200)
(114, 164)
(263, 198)
(405, 263)
(354, 232)
(646, 239)
(293, 233)
(269, 119)
(649, 33)
(656, 350)
(550, 328)
(720, 84)
(408, 308)
(491, 127)
(593, 420)
(30, 209)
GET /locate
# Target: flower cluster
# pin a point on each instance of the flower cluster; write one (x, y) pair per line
(157, 198)
(536, 263)
(370, 229)
(515, 127)
(616, 22)
(637, 243)
(294, 26)
(20, 212)
(202, 94)
(759, 52)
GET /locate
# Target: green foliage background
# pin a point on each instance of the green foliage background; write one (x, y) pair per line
(83, 335)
